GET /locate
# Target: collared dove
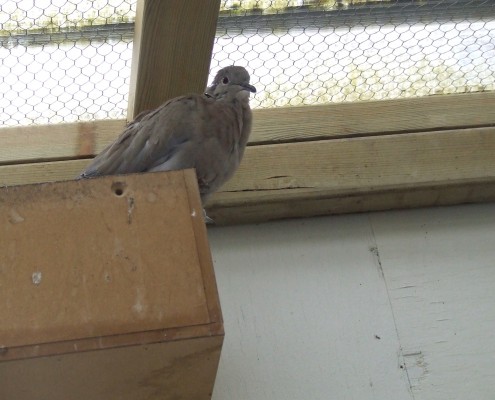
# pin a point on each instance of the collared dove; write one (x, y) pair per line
(207, 132)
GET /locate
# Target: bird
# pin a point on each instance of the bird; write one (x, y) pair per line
(208, 132)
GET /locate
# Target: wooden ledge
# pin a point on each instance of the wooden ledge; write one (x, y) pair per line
(336, 175)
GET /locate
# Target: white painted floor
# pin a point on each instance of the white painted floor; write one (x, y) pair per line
(393, 305)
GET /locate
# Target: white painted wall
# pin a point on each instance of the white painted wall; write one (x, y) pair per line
(394, 305)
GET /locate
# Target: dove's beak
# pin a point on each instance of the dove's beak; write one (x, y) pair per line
(249, 87)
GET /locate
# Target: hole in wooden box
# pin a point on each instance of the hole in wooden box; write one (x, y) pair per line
(118, 188)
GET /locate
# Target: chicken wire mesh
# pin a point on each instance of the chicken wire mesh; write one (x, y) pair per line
(64, 60)
(313, 52)
(69, 60)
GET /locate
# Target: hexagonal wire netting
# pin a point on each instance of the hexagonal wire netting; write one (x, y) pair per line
(64, 60)
(67, 60)
(322, 51)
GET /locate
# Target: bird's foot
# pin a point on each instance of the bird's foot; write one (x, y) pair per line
(208, 220)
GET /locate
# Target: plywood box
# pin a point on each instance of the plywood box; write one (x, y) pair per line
(107, 290)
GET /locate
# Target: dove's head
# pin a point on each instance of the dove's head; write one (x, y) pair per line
(233, 80)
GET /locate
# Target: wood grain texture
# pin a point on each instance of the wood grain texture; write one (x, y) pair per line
(292, 124)
(342, 164)
(56, 142)
(353, 174)
(172, 51)
(279, 125)
(22, 174)
(344, 203)
(289, 179)
(364, 163)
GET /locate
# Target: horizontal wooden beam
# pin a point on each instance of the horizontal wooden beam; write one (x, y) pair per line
(279, 125)
(339, 175)
(57, 141)
(51, 171)
(364, 163)
(370, 118)
(331, 203)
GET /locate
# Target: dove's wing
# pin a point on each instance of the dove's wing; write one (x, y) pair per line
(156, 138)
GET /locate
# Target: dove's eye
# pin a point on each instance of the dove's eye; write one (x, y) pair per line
(225, 80)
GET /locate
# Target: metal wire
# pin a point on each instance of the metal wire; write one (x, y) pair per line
(64, 60)
(68, 60)
(316, 52)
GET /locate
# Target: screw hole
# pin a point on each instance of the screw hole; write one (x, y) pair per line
(118, 188)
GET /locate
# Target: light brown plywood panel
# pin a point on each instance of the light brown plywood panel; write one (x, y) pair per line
(91, 266)
(184, 369)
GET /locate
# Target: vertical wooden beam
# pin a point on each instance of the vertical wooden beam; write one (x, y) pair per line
(172, 50)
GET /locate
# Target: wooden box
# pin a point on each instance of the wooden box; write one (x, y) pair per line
(107, 290)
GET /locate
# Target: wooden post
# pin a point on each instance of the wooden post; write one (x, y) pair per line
(172, 50)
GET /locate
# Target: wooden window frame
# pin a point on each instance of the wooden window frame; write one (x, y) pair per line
(301, 161)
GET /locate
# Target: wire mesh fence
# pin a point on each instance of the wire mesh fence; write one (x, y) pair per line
(67, 60)
(64, 60)
(311, 52)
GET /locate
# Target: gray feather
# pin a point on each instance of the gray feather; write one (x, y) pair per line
(206, 132)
